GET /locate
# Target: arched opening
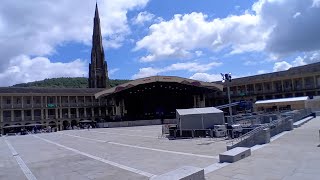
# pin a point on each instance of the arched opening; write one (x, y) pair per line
(74, 124)
(66, 125)
(52, 126)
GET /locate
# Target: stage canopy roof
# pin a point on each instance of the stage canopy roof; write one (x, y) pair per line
(153, 79)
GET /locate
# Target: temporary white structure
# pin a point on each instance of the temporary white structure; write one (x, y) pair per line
(199, 118)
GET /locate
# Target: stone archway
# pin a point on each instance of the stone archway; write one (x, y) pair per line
(74, 123)
(65, 124)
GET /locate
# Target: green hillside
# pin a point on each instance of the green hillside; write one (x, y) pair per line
(77, 82)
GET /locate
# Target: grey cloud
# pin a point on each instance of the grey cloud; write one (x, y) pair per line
(299, 34)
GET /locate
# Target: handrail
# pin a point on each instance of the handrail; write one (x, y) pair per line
(227, 105)
(256, 130)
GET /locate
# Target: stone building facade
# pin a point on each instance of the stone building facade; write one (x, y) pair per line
(294, 82)
(60, 108)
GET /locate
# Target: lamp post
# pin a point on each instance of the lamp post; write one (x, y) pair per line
(227, 78)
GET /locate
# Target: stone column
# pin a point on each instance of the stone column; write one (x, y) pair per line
(92, 112)
(85, 112)
(314, 82)
(22, 103)
(46, 101)
(203, 103)
(77, 112)
(99, 111)
(56, 113)
(46, 113)
(1, 115)
(303, 84)
(60, 99)
(12, 115)
(69, 112)
(61, 113)
(11, 101)
(31, 101)
(32, 114)
(1, 102)
(42, 113)
(22, 115)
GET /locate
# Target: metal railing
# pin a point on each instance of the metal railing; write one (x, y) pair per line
(227, 105)
(256, 130)
(294, 115)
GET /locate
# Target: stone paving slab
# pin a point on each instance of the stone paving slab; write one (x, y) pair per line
(52, 162)
(203, 146)
(146, 160)
(48, 161)
(295, 155)
(9, 168)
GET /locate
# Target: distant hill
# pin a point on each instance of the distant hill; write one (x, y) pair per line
(77, 82)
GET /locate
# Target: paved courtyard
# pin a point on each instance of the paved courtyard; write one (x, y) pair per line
(111, 153)
(293, 156)
(140, 153)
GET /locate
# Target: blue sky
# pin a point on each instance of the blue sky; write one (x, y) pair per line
(193, 39)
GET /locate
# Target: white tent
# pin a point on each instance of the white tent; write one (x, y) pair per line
(199, 118)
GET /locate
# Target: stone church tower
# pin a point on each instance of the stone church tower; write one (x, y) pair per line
(98, 71)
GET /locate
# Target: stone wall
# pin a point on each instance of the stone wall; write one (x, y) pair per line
(136, 123)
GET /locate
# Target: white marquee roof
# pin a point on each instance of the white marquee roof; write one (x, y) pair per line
(304, 98)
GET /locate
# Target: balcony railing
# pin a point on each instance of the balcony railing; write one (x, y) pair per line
(27, 105)
(17, 119)
(6, 119)
(37, 118)
(37, 105)
(51, 116)
(96, 103)
(27, 118)
(73, 115)
(6, 106)
(309, 86)
(17, 106)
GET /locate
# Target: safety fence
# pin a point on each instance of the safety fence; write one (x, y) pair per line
(275, 126)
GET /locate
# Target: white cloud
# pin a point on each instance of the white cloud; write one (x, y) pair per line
(291, 35)
(188, 66)
(316, 3)
(112, 71)
(268, 26)
(199, 53)
(206, 77)
(146, 72)
(296, 14)
(262, 71)
(24, 69)
(250, 63)
(143, 17)
(281, 66)
(184, 33)
(299, 61)
(37, 27)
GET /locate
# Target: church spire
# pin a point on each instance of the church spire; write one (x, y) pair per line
(98, 72)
